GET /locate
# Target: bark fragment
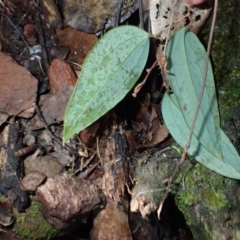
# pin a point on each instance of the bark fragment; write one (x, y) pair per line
(65, 198)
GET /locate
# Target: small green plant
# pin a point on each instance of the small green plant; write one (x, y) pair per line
(115, 64)
(110, 71)
(209, 145)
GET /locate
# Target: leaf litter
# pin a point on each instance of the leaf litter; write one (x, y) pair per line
(133, 129)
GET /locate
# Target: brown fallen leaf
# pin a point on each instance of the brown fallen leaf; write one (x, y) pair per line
(18, 88)
(147, 131)
(157, 132)
(62, 80)
(88, 135)
(79, 42)
(61, 76)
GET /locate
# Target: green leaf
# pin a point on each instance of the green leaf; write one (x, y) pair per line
(186, 61)
(176, 124)
(209, 144)
(108, 74)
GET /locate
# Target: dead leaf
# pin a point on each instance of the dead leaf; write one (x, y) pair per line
(88, 135)
(53, 105)
(157, 132)
(80, 43)
(61, 76)
(18, 88)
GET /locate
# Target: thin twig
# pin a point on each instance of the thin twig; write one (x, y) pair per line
(16, 30)
(141, 14)
(41, 35)
(187, 145)
(88, 161)
(55, 138)
(88, 171)
(140, 85)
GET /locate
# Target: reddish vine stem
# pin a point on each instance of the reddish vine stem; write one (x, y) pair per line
(187, 145)
(140, 85)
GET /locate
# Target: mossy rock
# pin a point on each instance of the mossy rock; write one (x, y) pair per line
(32, 226)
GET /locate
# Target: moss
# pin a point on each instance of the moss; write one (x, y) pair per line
(225, 55)
(203, 192)
(202, 185)
(32, 225)
(215, 199)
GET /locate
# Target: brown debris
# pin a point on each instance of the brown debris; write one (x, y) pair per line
(32, 181)
(3, 117)
(6, 217)
(53, 105)
(45, 164)
(157, 132)
(8, 236)
(111, 223)
(51, 13)
(115, 167)
(10, 142)
(18, 88)
(61, 76)
(29, 30)
(88, 135)
(79, 42)
(146, 131)
(64, 198)
(93, 16)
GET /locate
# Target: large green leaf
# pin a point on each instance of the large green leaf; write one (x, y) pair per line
(108, 74)
(186, 58)
(209, 145)
(176, 124)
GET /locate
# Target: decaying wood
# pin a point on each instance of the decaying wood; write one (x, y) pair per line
(111, 223)
(11, 141)
(150, 186)
(115, 167)
(65, 198)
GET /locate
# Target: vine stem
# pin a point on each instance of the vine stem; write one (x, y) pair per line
(187, 145)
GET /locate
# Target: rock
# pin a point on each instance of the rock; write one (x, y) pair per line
(32, 181)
